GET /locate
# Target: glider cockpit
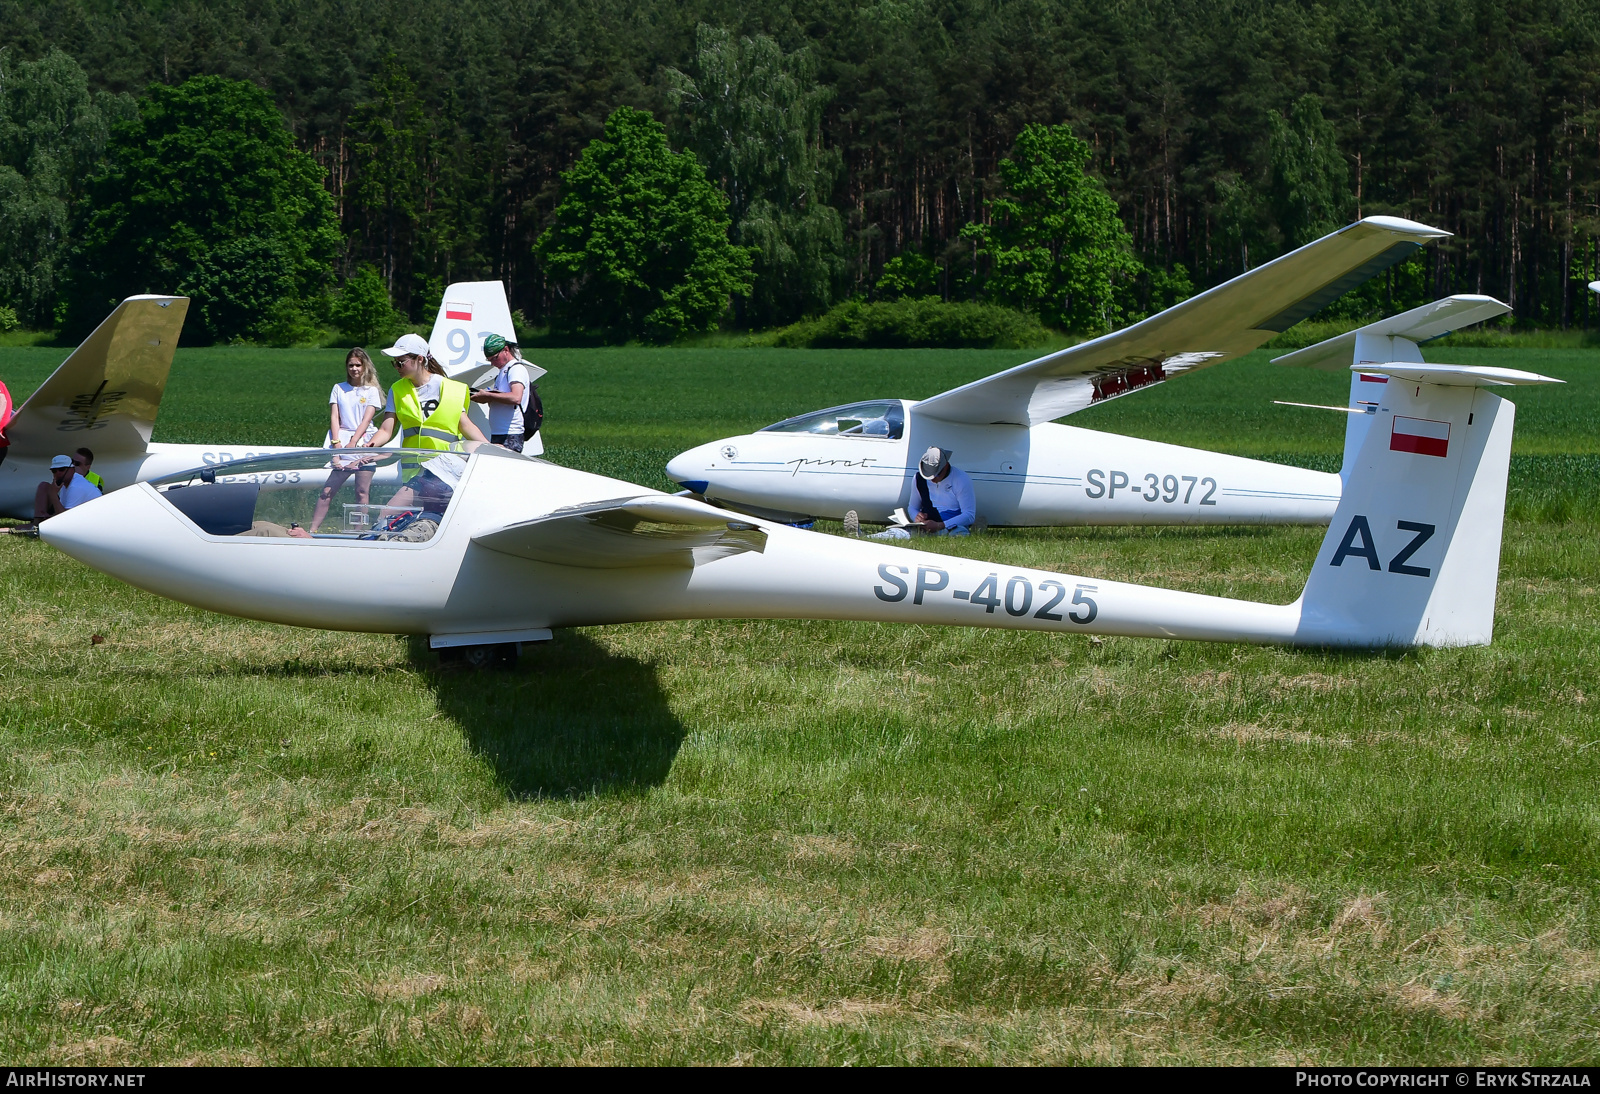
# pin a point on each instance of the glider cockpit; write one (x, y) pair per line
(318, 494)
(883, 418)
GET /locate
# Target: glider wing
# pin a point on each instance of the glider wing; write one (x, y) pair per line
(1221, 323)
(653, 530)
(106, 394)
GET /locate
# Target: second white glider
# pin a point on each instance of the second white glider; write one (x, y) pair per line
(1029, 470)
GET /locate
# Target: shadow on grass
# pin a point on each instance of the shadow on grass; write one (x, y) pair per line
(570, 721)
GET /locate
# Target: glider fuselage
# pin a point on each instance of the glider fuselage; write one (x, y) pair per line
(20, 476)
(1046, 474)
(454, 585)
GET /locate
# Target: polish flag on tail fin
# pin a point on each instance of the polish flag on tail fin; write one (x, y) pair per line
(454, 310)
(1423, 436)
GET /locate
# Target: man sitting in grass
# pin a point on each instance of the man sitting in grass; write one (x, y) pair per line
(66, 490)
(82, 461)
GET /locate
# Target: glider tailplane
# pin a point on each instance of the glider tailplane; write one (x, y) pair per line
(1412, 556)
(1390, 340)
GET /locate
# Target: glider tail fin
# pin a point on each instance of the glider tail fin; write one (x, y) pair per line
(106, 394)
(1367, 388)
(469, 313)
(1412, 556)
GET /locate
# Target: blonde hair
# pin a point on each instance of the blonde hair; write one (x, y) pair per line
(369, 374)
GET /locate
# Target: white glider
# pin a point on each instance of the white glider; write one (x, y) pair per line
(106, 394)
(1027, 470)
(486, 548)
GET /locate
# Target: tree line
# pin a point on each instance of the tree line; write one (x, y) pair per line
(861, 150)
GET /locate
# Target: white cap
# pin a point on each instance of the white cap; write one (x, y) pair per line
(408, 343)
(59, 462)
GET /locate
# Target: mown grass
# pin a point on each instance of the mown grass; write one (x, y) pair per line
(225, 841)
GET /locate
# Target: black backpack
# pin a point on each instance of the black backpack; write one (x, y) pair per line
(533, 417)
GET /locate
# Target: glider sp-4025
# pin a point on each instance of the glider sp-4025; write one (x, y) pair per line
(484, 547)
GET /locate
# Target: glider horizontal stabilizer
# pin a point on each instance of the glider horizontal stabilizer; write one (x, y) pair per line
(1374, 342)
(1221, 323)
(1393, 341)
(653, 530)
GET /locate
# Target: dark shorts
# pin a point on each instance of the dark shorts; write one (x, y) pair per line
(512, 441)
(430, 490)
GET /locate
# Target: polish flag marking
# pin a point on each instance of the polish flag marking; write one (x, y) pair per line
(1423, 436)
(458, 311)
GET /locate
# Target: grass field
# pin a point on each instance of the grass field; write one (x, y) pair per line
(223, 841)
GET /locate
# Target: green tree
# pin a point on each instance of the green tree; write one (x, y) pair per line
(51, 133)
(203, 192)
(1057, 246)
(1310, 189)
(754, 116)
(640, 241)
(363, 309)
(908, 274)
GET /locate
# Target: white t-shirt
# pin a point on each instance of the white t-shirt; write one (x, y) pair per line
(427, 395)
(77, 491)
(353, 403)
(504, 417)
(447, 468)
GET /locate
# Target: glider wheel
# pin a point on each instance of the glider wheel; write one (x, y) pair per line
(500, 655)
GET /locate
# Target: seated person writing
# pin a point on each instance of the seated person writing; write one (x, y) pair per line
(946, 505)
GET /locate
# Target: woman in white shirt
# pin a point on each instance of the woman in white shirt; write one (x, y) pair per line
(352, 405)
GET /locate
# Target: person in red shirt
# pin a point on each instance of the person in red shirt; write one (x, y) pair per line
(5, 420)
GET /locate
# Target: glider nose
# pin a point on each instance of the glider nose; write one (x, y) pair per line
(79, 530)
(690, 469)
(118, 534)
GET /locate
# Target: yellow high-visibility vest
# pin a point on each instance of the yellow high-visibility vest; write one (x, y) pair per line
(96, 480)
(440, 429)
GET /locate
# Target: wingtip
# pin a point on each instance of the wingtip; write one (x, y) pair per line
(1406, 227)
